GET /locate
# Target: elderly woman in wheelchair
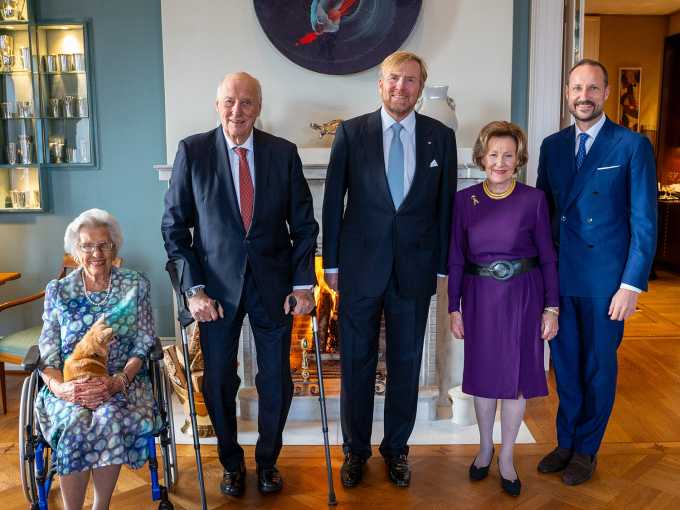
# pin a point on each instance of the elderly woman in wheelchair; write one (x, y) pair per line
(95, 424)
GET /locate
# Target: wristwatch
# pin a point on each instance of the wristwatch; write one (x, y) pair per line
(192, 292)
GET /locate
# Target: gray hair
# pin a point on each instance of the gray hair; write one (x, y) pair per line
(259, 87)
(94, 218)
(592, 63)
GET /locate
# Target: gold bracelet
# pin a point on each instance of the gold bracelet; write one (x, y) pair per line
(123, 377)
(552, 310)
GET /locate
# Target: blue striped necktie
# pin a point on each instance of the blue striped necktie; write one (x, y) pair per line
(581, 150)
(395, 167)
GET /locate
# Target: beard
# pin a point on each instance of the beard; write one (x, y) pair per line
(597, 110)
(399, 110)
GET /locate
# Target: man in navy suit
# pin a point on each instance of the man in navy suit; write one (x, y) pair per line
(600, 182)
(386, 252)
(254, 237)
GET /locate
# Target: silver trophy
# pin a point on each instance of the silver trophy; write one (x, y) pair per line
(84, 151)
(11, 150)
(69, 106)
(18, 199)
(65, 63)
(57, 151)
(82, 106)
(79, 61)
(10, 10)
(6, 110)
(54, 107)
(23, 109)
(7, 52)
(25, 149)
(25, 57)
(36, 198)
(52, 64)
(71, 155)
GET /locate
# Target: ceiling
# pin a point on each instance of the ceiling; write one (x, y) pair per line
(648, 7)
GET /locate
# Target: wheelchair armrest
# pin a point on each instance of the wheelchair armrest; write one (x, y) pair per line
(30, 363)
(156, 352)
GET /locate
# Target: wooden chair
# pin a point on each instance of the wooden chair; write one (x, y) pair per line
(14, 347)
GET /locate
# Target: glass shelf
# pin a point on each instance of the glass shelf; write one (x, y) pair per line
(26, 72)
(63, 72)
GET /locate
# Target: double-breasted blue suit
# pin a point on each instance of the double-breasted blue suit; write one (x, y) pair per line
(248, 272)
(603, 221)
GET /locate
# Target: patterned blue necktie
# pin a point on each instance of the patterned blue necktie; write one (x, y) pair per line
(581, 150)
(395, 167)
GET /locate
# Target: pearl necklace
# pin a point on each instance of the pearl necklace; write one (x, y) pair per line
(498, 196)
(106, 297)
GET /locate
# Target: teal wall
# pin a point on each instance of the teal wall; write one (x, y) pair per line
(128, 54)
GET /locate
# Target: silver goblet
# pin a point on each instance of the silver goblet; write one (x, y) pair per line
(9, 10)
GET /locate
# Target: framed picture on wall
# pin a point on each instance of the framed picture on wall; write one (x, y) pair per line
(629, 97)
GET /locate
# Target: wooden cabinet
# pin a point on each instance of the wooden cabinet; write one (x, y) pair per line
(668, 240)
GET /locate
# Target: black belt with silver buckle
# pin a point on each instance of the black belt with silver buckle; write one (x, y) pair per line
(502, 270)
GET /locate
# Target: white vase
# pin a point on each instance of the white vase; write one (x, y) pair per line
(436, 104)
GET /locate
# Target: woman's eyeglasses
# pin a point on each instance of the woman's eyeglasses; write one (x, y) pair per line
(103, 246)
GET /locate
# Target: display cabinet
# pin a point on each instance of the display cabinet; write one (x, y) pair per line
(45, 104)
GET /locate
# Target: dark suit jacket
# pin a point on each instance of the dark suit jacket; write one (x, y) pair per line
(604, 216)
(369, 236)
(202, 196)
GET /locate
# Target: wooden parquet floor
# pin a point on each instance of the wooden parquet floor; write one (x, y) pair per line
(639, 463)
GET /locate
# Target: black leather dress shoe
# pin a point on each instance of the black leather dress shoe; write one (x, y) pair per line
(352, 470)
(398, 470)
(234, 482)
(511, 487)
(477, 474)
(269, 479)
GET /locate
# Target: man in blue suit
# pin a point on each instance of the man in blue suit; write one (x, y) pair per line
(243, 193)
(600, 182)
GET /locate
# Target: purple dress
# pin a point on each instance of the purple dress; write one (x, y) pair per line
(502, 320)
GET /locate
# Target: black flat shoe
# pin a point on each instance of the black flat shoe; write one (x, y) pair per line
(352, 470)
(269, 479)
(511, 488)
(234, 482)
(477, 474)
(398, 470)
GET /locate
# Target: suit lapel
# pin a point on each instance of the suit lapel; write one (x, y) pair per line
(424, 152)
(602, 146)
(372, 142)
(219, 159)
(568, 167)
(262, 155)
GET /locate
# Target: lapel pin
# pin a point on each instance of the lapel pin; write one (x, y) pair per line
(474, 200)
(429, 143)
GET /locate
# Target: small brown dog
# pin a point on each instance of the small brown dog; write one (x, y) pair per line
(91, 354)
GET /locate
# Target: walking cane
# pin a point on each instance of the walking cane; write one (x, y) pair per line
(175, 268)
(322, 399)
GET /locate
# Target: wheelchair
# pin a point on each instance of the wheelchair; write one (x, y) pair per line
(38, 461)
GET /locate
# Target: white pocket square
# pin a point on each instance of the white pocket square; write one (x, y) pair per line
(608, 167)
(434, 163)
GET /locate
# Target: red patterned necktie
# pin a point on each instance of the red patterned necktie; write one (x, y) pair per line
(245, 187)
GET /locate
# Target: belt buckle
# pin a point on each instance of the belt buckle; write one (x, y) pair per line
(501, 270)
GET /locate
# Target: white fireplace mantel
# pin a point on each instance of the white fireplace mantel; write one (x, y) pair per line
(315, 161)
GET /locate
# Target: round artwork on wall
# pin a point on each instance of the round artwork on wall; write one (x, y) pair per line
(337, 36)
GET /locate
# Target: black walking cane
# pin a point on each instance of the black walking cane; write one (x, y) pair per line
(175, 268)
(322, 399)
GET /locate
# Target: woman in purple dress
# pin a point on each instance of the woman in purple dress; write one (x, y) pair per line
(503, 265)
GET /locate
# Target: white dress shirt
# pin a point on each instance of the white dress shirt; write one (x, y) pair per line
(592, 133)
(408, 140)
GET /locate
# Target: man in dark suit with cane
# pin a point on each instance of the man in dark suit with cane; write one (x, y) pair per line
(254, 238)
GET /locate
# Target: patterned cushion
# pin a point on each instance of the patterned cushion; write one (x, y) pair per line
(19, 343)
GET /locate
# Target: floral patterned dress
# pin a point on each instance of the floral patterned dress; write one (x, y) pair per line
(116, 432)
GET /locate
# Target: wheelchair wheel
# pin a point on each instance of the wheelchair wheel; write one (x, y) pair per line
(169, 465)
(27, 433)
